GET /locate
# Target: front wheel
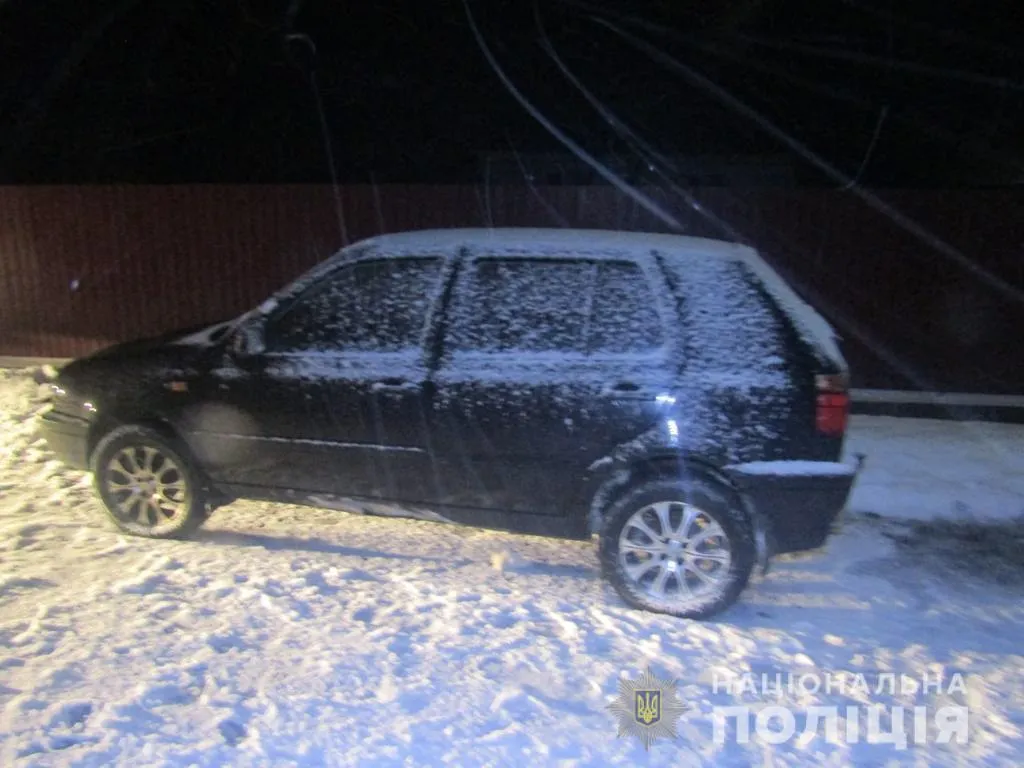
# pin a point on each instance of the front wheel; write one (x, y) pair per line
(682, 548)
(148, 486)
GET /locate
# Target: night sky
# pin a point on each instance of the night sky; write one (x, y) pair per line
(914, 94)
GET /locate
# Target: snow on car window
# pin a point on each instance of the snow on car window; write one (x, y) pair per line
(553, 304)
(374, 306)
(812, 327)
(522, 305)
(729, 322)
(622, 317)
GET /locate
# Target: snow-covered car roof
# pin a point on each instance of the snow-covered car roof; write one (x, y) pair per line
(582, 240)
(594, 243)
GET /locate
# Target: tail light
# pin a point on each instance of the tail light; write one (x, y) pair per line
(833, 404)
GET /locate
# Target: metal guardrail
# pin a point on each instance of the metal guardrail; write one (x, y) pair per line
(964, 399)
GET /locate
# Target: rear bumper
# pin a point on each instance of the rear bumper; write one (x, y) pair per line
(797, 502)
(67, 436)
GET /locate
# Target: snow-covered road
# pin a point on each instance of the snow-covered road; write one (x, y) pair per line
(292, 636)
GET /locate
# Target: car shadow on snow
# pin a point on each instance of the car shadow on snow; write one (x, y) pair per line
(962, 552)
(296, 544)
(948, 587)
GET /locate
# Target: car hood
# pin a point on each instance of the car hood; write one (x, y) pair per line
(184, 342)
(136, 365)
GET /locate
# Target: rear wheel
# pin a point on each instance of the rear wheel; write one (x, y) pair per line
(682, 548)
(147, 485)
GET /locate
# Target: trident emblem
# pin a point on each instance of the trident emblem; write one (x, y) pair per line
(648, 707)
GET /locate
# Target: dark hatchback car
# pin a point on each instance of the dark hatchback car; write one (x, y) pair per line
(670, 394)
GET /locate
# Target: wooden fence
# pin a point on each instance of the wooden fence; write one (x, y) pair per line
(84, 266)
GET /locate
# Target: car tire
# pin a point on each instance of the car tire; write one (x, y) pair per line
(695, 567)
(148, 485)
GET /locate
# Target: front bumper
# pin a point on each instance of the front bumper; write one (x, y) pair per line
(67, 436)
(797, 502)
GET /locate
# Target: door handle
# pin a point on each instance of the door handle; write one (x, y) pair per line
(628, 389)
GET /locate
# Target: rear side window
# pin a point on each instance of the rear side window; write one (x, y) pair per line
(373, 306)
(521, 305)
(623, 317)
(554, 305)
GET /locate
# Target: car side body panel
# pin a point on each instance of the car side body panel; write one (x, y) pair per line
(699, 357)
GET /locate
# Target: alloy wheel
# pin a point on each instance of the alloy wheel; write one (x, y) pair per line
(147, 487)
(675, 553)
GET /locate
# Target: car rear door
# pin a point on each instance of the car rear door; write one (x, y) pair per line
(548, 362)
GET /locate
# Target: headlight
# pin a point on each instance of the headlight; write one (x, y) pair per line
(71, 403)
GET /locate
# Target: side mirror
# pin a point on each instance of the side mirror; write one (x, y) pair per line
(248, 340)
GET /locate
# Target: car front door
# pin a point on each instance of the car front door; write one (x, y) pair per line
(547, 364)
(335, 402)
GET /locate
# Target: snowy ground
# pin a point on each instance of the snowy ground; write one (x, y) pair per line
(286, 635)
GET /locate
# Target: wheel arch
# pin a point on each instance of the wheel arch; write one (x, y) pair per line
(602, 490)
(108, 423)
(103, 426)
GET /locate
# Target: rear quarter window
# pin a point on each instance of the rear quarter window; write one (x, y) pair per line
(732, 332)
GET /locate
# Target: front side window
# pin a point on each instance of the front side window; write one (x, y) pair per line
(372, 306)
